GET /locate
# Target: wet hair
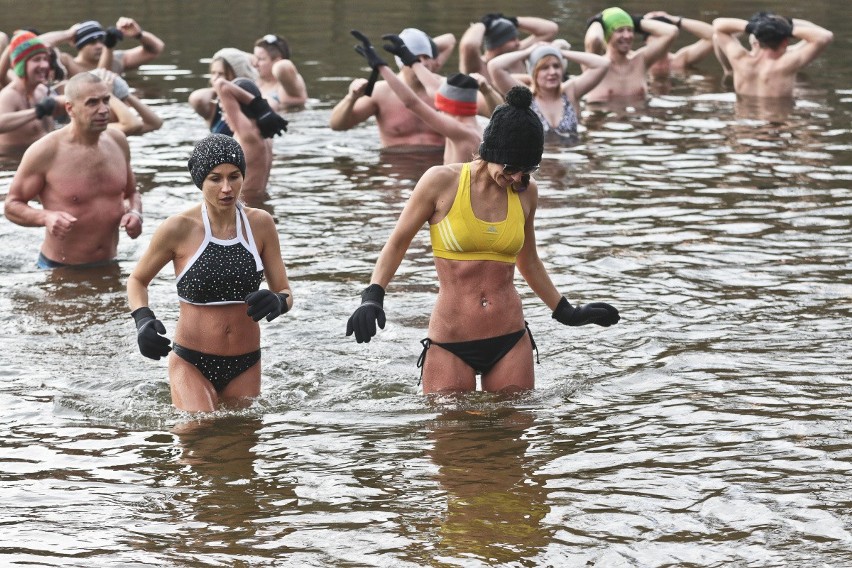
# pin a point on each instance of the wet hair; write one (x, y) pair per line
(274, 45)
(75, 85)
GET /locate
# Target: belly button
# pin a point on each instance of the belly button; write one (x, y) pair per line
(484, 302)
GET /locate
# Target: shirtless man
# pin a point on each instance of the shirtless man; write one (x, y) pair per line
(399, 128)
(26, 109)
(610, 33)
(769, 70)
(500, 35)
(95, 46)
(81, 175)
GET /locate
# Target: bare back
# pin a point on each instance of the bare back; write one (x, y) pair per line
(763, 74)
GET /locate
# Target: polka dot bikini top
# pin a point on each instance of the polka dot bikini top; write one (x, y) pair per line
(222, 271)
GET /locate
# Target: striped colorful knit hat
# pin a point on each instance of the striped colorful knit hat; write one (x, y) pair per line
(457, 95)
(23, 46)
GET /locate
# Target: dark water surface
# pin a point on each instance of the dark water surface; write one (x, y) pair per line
(709, 428)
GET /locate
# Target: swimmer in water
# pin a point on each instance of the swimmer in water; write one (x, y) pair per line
(769, 69)
(481, 218)
(278, 78)
(221, 250)
(81, 175)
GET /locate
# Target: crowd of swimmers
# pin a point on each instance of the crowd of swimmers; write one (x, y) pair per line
(70, 116)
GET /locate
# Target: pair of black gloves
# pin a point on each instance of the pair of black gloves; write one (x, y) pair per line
(371, 313)
(492, 17)
(395, 46)
(150, 332)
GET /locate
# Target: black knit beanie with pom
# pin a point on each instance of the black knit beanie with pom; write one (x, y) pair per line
(514, 135)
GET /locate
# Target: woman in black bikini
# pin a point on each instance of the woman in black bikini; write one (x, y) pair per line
(220, 250)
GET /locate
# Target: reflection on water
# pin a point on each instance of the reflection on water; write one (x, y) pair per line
(709, 428)
(495, 505)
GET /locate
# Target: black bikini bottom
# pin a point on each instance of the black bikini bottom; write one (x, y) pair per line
(218, 369)
(480, 354)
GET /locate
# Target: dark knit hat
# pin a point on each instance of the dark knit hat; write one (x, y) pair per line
(514, 135)
(499, 32)
(88, 32)
(23, 46)
(457, 95)
(772, 29)
(212, 151)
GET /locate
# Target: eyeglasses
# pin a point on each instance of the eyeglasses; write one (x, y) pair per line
(270, 38)
(510, 170)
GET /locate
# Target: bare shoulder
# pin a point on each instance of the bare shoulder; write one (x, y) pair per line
(259, 218)
(118, 138)
(178, 227)
(11, 99)
(42, 152)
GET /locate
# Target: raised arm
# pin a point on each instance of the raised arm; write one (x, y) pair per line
(725, 31)
(231, 97)
(445, 43)
(354, 108)
(596, 67)
(150, 46)
(660, 39)
(499, 68)
(470, 49)
(539, 29)
(814, 38)
(151, 121)
(594, 41)
(694, 52)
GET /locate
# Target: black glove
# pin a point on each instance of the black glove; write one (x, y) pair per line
(150, 334)
(363, 321)
(637, 22)
(367, 51)
(596, 18)
(269, 122)
(266, 304)
(45, 107)
(512, 19)
(113, 36)
(665, 20)
(398, 48)
(598, 313)
(489, 18)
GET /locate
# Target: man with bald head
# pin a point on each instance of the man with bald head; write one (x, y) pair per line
(81, 176)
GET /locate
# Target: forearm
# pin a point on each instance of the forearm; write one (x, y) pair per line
(697, 28)
(544, 30)
(429, 80)
(729, 26)
(808, 31)
(137, 293)
(150, 120)
(470, 45)
(58, 37)
(536, 276)
(21, 213)
(150, 43)
(594, 41)
(342, 116)
(13, 120)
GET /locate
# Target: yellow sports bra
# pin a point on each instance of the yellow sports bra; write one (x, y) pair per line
(461, 236)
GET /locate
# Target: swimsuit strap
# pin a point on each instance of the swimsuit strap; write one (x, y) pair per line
(248, 240)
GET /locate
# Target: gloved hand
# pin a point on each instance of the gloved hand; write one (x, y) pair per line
(397, 47)
(598, 313)
(269, 122)
(45, 107)
(489, 18)
(266, 304)
(367, 51)
(113, 36)
(637, 22)
(596, 18)
(363, 321)
(150, 334)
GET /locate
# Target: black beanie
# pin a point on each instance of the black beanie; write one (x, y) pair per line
(212, 151)
(514, 135)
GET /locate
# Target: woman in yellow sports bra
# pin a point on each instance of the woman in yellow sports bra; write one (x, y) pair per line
(480, 218)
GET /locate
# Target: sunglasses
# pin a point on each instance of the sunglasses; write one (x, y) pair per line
(510, 170)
